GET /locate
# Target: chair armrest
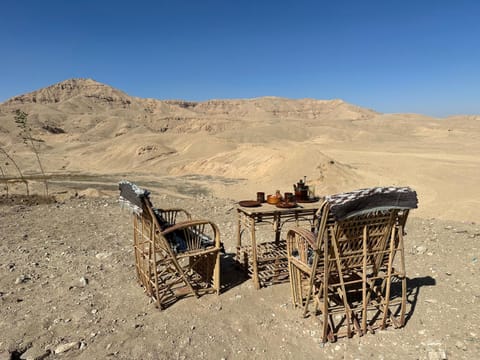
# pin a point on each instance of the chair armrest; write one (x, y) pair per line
(301, 245)
(304, 234)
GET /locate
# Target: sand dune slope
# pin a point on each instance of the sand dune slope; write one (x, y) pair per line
(246, 145)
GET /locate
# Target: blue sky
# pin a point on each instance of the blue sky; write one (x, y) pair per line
(392, 56)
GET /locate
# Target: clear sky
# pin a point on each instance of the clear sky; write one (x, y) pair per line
(419, 56)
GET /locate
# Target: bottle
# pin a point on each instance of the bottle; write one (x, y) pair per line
(311, 191)
(278, 195)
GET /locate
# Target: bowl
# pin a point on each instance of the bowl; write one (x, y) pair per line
(273, 199)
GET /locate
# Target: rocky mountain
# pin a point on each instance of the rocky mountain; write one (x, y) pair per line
(235, 147)
(61, 104)
(71, 89)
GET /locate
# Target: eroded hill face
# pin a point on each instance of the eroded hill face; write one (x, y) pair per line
(84, 125)
(236, 147)
(74, 100)
(70, 89)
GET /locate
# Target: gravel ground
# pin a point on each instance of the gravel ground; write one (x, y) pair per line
(68, 290)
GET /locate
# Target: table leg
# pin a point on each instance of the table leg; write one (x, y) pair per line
(277, 228)
(242, 258)
(239, 232)
(256, 280)
(239, 238)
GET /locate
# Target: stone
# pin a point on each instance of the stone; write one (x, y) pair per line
(35, 353)
(66, 347)
(83, 281)
(103, 255)
(21, 279)
(437, 355)
(421, 250)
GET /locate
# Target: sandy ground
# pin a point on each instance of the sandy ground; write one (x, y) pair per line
(67, 279)
(68, 285)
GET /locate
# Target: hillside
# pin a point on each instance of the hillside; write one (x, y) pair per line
(91, 135)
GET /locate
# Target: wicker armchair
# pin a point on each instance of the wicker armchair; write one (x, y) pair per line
(344, 271)
(173, 258)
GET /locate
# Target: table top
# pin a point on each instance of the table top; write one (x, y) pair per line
(269, 208)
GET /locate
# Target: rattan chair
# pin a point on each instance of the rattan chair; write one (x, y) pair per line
(173, 258)
(344, 273)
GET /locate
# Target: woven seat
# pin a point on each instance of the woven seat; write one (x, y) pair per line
(343, 272)
(172, 258)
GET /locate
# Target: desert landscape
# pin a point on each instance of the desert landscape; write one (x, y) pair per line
(67, 284)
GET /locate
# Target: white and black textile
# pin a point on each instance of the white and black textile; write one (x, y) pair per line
(362, 201)
(131, 196)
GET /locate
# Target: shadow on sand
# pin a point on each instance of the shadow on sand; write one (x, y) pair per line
(232, 276)
(413, 291)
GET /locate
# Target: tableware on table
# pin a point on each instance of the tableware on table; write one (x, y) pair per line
(249, 203)
(308, 200)
(261, 197)
(289, 197)
(286, 205)
(272, 199)
(301, 189)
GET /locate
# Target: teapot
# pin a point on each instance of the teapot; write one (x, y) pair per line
(301, 189)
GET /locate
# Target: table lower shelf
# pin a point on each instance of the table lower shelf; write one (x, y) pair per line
(272, 262)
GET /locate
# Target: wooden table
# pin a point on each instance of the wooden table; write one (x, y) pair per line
(266, 261)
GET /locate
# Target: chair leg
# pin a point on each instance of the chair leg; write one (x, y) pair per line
(293, 283)
(404, 301)
(404, 277)
(326, 321)
(364, 282)
(216, 274)
(388, 279)
(311, 284)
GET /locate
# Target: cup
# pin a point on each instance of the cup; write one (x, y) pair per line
(261, 197)
(289, 197)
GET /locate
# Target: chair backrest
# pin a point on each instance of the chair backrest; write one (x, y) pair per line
(133, 197)
(362, 225)
(362, 201)
(150, 222)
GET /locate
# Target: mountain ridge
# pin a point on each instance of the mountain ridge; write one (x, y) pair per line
(236, 147)
(74, 89)
(67, 89)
